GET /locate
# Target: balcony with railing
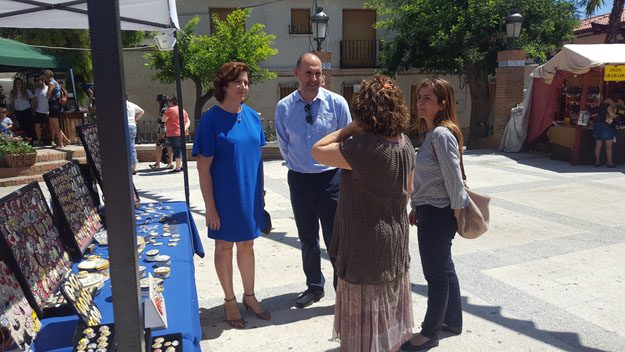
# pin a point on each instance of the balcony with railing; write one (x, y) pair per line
(359, 53)
(300, 29)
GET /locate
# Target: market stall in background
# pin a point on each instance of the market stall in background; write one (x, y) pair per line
(562, 100)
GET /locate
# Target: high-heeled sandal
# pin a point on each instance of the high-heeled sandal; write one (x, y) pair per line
(264, 315)
(235, 323)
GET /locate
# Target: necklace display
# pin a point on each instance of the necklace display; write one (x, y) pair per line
(32, 243)
(16, 315)
(69, 191)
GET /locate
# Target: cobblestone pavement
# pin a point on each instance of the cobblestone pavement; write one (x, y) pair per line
(548, 276)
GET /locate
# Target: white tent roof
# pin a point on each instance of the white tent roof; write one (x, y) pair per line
(580, 58)
(144, 15)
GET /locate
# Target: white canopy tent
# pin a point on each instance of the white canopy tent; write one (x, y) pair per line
(572, 59)
(139, 15)
(104, 18)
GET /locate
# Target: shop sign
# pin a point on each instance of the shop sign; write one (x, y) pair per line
(614, 73)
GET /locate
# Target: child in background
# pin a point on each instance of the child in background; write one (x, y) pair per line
(6, 125)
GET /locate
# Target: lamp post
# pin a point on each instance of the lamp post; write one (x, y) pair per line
(514, 21)
(320, 23)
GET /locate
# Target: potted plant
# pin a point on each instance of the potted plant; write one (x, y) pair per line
(15, 152)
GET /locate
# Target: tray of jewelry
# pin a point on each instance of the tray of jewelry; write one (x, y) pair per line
(98, 338)
(81, 300)
(166, 343)
(31, 244)
(77, 209)
(88, 134)
(16, 315)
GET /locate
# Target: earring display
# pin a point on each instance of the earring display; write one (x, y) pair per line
(16, 316)
(77, 209)
(166, 343)
(31, 244)
(99, 338)
(88, 134)
(80, 298)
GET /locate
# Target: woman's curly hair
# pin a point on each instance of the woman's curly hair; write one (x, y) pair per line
(379, 107)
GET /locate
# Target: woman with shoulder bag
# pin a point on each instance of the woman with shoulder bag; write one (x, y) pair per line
(436, 202)
(54, 117)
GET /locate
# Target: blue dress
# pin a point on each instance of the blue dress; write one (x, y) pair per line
(234, 141)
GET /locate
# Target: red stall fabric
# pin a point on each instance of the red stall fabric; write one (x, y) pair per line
(545, 107)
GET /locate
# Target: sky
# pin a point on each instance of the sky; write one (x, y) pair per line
(607, 7)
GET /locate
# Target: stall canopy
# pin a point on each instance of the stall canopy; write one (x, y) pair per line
(540, 104)
(138, 15)
(15, 56)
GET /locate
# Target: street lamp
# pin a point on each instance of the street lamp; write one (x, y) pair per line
(166, 39)
(320, 21)
(513, 25)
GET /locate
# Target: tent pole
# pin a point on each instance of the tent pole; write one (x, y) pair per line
(71, 75)
(108, 71)
(185, 170)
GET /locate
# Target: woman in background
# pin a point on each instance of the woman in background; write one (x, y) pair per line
(54, 107)
(161, 139)
(21, 100)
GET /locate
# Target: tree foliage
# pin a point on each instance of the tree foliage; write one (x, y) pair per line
(464, 36)
(201, 55)
(612, 29)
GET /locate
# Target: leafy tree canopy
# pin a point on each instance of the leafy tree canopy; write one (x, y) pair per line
(464, 36)
(201, 56)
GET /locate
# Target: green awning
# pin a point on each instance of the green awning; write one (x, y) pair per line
(15, 56)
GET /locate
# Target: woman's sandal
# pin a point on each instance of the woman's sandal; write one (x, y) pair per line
(155, 166)
(235, 323)
(264, 315)
(169, 166)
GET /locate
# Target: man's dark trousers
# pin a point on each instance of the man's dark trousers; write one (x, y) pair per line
(314, 198)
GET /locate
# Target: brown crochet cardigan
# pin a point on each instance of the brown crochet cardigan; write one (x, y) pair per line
(370, 239)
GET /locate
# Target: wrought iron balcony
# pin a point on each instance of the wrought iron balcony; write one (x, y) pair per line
(359, 53)
(300, 29)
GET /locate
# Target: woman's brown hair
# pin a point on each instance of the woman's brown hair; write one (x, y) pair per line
(227, 73)
(446, 117)
(22, 89)
(379, 107)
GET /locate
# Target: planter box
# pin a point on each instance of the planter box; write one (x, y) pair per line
(19, 160)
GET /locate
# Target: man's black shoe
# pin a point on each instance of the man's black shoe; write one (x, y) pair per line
(308, 297)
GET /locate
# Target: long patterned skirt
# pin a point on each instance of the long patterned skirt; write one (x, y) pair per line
(373, 318)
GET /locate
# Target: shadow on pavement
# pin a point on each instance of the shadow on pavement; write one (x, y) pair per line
(282, 311)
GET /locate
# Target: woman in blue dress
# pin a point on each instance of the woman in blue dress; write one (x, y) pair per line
(228, 149)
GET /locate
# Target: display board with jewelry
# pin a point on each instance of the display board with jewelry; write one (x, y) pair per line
(167, 343)
(88, 134)
(78, 211)
(18, 322)
(100, 338)
(89, 137)
(81, 300)
(31, 244)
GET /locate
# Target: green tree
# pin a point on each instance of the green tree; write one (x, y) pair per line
(202, 55)
(615, 16)
(464, 36)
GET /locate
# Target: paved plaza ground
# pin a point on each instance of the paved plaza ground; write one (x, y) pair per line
(548, 276)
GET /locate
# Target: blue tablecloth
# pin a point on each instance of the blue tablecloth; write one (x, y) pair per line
(180, 291)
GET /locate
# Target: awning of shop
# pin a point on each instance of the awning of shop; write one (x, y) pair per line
(15, 56)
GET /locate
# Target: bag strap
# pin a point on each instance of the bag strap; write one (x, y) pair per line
(464, 175)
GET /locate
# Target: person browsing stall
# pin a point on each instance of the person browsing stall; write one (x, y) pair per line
(228, 145)
(302, 118)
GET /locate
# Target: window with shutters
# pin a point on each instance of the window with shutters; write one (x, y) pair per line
(300, 22)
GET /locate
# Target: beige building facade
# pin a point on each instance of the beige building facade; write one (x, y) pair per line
(352, 41)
